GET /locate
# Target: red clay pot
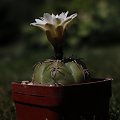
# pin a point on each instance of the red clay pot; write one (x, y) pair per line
(35, 102)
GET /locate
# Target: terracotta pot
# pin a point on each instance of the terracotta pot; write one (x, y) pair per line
(35, 102)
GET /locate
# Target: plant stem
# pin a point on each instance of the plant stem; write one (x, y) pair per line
(58, 49)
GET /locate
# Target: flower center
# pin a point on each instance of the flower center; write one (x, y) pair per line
(58, 21)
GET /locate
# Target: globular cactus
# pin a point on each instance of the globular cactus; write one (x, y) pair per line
(58, 72)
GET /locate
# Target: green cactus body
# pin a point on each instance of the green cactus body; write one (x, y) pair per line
(56, 72)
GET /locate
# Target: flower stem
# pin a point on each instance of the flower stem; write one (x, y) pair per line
(58, 49)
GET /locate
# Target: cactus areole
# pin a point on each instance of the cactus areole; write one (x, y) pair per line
(58, 71)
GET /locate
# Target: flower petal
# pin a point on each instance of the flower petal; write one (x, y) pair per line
(38, 21)
(53, 16)
(65, 21)
(66, 13)
(47, 17)
(49, 26)
(56, 16)
(41, 18)
(62, 15)
(39, 25)
(68, 20)
(73, 15)
(51, 29)
(56, 21)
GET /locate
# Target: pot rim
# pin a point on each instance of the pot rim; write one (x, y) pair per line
(94, 81)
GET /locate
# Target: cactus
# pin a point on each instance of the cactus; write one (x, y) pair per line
(58, 72)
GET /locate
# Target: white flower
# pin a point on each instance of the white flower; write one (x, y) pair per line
(54, 25)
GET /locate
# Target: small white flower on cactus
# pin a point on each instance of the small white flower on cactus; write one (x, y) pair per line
(54, 25)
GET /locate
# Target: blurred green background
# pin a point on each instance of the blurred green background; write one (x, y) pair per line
(93, 36)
